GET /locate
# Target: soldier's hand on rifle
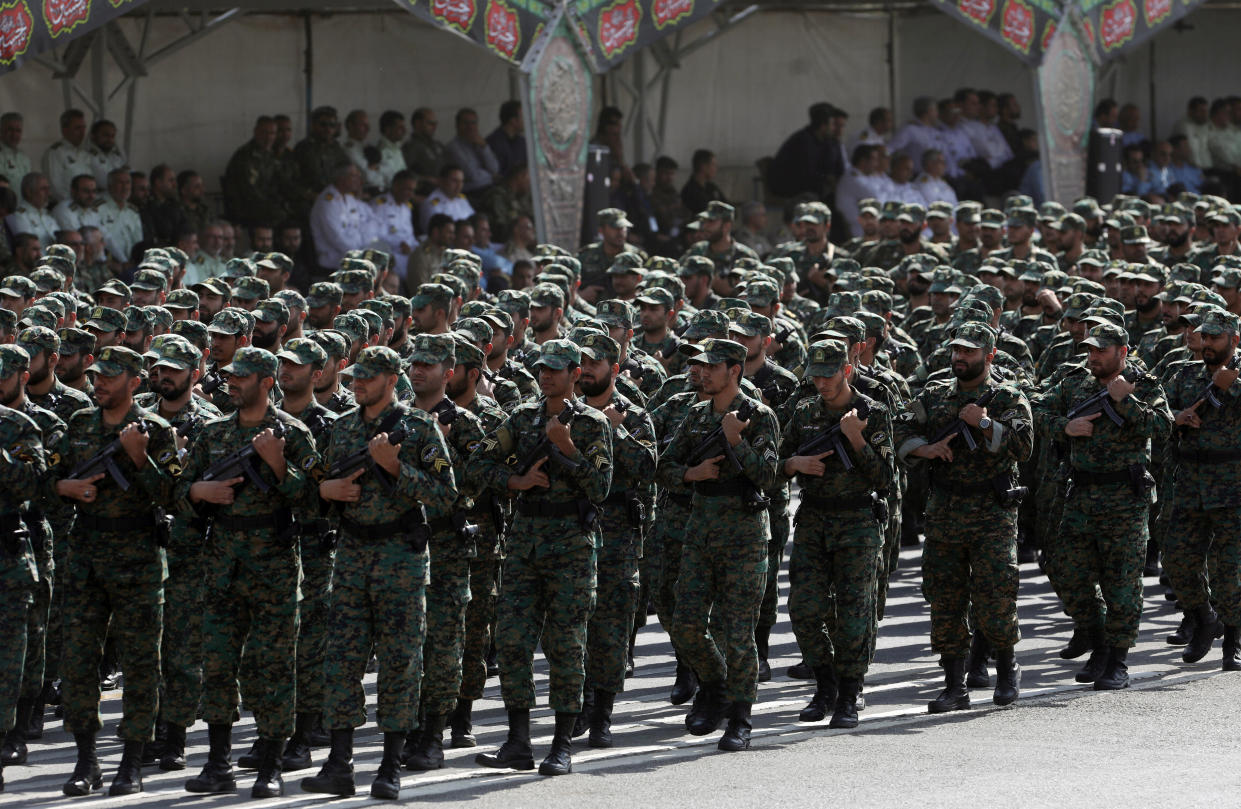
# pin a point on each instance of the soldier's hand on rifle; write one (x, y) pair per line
(1048, 300)
(852, 427)
(134, 441)
(559, 435)
(971, 414)
(733, 427)
(1224, 377)
(536, 477)
(343, 490)
(182, 441)
(385, 453)
(1189, 417)
(271, 450)
(939, 451)
(81, 490)
(216, 492)
(1081, 428)
(808, 464)
(615, 417)
(1120, 387)
(707, 470)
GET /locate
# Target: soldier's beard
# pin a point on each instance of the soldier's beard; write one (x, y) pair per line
(264, 339)
(595, 387)
(37, 377)
(918, 286)
(1177, 241)
(170, 394)
(967, 371)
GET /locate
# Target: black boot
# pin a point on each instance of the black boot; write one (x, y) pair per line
(633, 639)
(707, 712)
(1007, 678)
(582, 723)
(955, 696)
(153, 751)
(845, 714)
(128, 778)
(429, 752)
(1206, 629)
(14, 750)
(1079, 644)
(1116, 675)
(87, 777)
(268, 782)
(1232, 648)
(601, 719)
(977, 675)
(217, 774)
(461, 721)
(318, 736)
(1183, 632)
(737, 735)
(685, 686)
(516, 752)
(559, 759)
(762, 639)
(297, 751)
(1096, 664)
(336, 775)
(249, 760)
(34, 724)
(824, 695)
(173, 755)
(387, 783)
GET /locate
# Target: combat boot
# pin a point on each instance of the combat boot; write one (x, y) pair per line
(1116, 675)
(1007, 678)
(336, 775)
(845, 715)
(707, 712)
(128, 778)
(249, 760)
(153, 751)
(1079, 644)
(14, 750)
(1206, 629)
(38, 707)
(387, 783)
(601, 719)
(800, 671)
(217, 774)
(428, 754)
(824, 695)
(633, 640)
(1097, 662)
(582, 723)
(1183, 632)
(978, 676)
(86, 777)
(173, 755)
(762, 639)
(516, 752)
(559, 759)
(955, 696)
(737, 735)
(1232, 648)
(268, 783)
(318, 736)
(685, 685)
(297, 751)
(461, 720)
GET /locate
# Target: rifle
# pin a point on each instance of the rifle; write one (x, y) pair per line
(715, 442)
(104, 461)
(833, 439)
(242, 463)
(212, 382)
(546, 449)
(445, 411)
(1210, 396)
(959, 426)
(1102, 402)
(189, 428)
(362, 459)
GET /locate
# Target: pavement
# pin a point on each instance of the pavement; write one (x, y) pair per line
(1170, 738)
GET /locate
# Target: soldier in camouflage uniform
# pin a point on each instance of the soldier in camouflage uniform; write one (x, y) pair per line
(838, 543)
(251, 589)
(597, 258)
(328, 389)
(229, 331)
(718, 243)
(116, 570)
(1103, 530)
(888, 253)
(970, 555)
(724, 560)
(641, 374)
(549, 573)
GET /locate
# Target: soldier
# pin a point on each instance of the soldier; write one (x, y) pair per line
(229, 332)
(380, 578)
(1103, 530)
(598, 257)
(251, 590)
(114, 584)
(253, 189)
(970, 554)
(723, 570)
(549, 574)
(718, 243)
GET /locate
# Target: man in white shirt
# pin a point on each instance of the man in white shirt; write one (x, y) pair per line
(392, 215)
(878, 130)
(903, 189)
(31, 215)
(339, 221)
(987, 139)
(105, 155)
(931, 183)
(14, 165)
(82, 207)
(357, 127)
(857, 184)
(920, 134)
(391, 136)
(120, 222)
(1195, 126)
(447, 198)
(68, 157)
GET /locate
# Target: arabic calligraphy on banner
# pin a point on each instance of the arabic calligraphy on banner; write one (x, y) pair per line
(505, 27)
(617, 28)
(30, 27)
(1022, 26)
(1115, 26)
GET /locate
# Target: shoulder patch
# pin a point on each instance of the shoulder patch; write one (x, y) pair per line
(308, 463)
(879, 437)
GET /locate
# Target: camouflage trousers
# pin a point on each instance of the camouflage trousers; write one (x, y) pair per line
(890, 553)
(552, 598)
(379, 601)
(182, 644)
(55, 642)
(778, 517)
(15, 600)
(1100, 552)
(479, 614)
(102, 603)
(722, 578)
(1203, 558)
(250, 595)
(964, 564)
(833, 582)
(669, 533)
(448, 599)
(616, 600)
(37, 616)
(314, 620)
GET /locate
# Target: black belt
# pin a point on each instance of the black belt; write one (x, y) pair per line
(1083, 478)
(1206, 455)
(837, 503)
(980, 489)
(316, 527)
(682, 500)
(245, 523)
(114, 525)
(383, 530)
(709, 488)
(534, 508)
(441, 525)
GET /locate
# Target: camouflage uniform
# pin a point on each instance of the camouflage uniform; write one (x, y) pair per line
(722, 261)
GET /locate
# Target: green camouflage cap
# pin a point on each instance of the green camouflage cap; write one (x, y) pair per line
(149, 280)
(1227, 215)
(113, 287)
(47, 279)
(974, 335)
(335, 343)
(1077, 303)
(891, 209)
(944, 280)
(969, 212)
(174, 351)
(251, 289)
(559, 354)
(1028, 271)
(1018, 201)
(75, 341)
(182, 299)
(761, 293)
(54, 305)
(1218, 321)
(353, 326)
(1096, 258)
(471, 273)
(1184, 271)
(1087, 208)
(473, 309)
(544, 251)
(303, 351)
(843, 327)
(457, 254)
(826, 358)
(579, 332)
(272, 310)
(277, 261)
(61, 251)
(868, 205)
(213, 286)
(228, 321)
(36, 339)
(1149, 272)
(657, 296)
(986, 293)
(379, 307)
(324, 293)
(374, 323)
(429, 294)
(713, 351)
(478, 329)
(13, 359)
(382, 259)
(599, 347)
(716, 209)
(192, 330)
(401, 309)
(748, 323)
(696, 265)
(940, 209)
(844, 303)
(1050, 212)
(615, 312)
(991, 218)
(514, 301)
(251, 360)
(912, 212)
(545, 294)
(561, 281)
(8, 320)
(39, 316)
(236, 268)
(105, 318)
(116, 360)
(290, 298)
(355, 281)
(468, 354)
(18, 286)
(627, 264)
(138, 319)
(1227, 278)
(1134, 234)
(661, 263)
(613, 217)
(499, 319)
(814, 212)
(877, 301)
(707, 323)
(875, 324)
(435, 348)
(161, 318)
(1106, 334)
(1022, 216)
(974, 310)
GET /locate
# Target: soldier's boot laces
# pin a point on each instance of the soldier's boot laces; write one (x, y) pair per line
(387, 783)
(1206, 629)
(268, 782)
(336, 775)
(128, 778)
(707, 712)
(86, 777)
(516, 752)
(1232, 648)
(1097, 662)
(845, 714)
(1116, 675)
(1183, 632)
(978, 675)
(173, 755)
(217, 774)
(1079, 644)
(737, 735)
(601, 719)
(685, 685)
(461, 721)
(297, 752)
(955, 696)
(559, 759)
(14, 750)
(824, 695)
(428, 754)
(1007, 678)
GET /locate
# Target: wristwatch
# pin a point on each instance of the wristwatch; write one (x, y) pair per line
(984, 423)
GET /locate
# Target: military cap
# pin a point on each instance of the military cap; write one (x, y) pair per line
(783, 264)
(944, 280)
(843, 303)
(149, 280)
(1071, 221)
(499, 319)
(18, 286)
(696, 265)
(1218, 321)
(236, 268)
(626, 264)
(324, 293)
(1227, 278)
(868, 205)
(303, 351)
(8, 320)
(333, 341)
(175, 352)
(1077, 303)
(471, 272)
(192, 330)
(599, 347)
(750, 324)
(475, 327)
(116, 360)
(717, 209)
(514, 301)
(579, 332)
(991, 218)
(877, 301)
(545, 294)
(467, 353)
(1184, 271)
(559, 354)
(374, 323)
(665, 263)
(1028, 270)
(814, 212)
(39, 316)
(294, 300)
(272, 310)
(252, 360)
(53, 305)
(460, 288)
(912, 212)
(657, 296)
(1050, 211)
(713, 350)
(353, 326)
(13, 359)
(379, 307)
(160, 316)
(213, 286)
(74, 341)
(473, 309)
(429, 294)
(707, 323)
(615, 312)
(1134, 234)
(276, 260)
(1087, 208)
(557, 279)
(1022, 216)
(1095, 258)
(988, 294)
(875, 323)
(1106, 334)
(47, 279)
(974, 335)
(62, 251)
(761, 293)
(891, 209)
(968, 212)
(613, 217)
(228, 321)
(1226, 214)
(36, 339)
(430, 349)
(1149, 272)
(185, 299)
(843, 327)
(251, 288)
(547, 251)
(940, 209)
(1099, 313)
(353, 282)
(826, 358)
(105, 318)
(975, 309)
